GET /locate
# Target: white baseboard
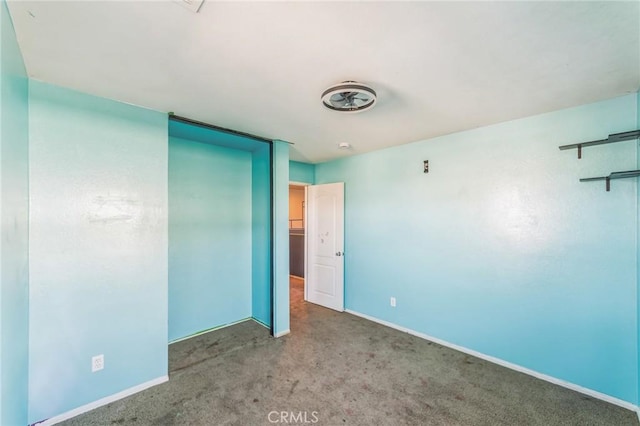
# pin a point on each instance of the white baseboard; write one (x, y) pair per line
(261, 323)
(209, 330)
(282, 333)
(99, 403)
(503, 363)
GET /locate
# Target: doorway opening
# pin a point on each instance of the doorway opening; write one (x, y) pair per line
(316, 245)
(297, 243)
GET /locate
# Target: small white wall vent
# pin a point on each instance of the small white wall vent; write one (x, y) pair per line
(192, 5)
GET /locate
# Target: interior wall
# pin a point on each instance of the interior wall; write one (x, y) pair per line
(210, 233)
(281, 237)
(500, 248)
(296, 207)
(98, 248)
(14, 215)
(301, 172)
(261, 235)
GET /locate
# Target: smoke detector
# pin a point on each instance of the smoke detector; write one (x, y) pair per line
(349, 96)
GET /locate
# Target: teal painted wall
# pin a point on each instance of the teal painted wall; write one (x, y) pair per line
(500, 248)
(638, 248)
(14, 215)
(261, 234)
(281, 237)
(302, 172)
(210, 236)
(98, 248)
(251, 181)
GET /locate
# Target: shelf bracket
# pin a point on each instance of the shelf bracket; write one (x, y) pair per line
(613, 175)
(612, 138)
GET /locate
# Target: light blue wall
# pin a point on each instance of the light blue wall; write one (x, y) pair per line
(14, 215)
(281, 237)
(500, 248)
(98, 248)
(209, 236)
(301, 172)
(261, 234)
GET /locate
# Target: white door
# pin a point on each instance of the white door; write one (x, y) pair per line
(325, 245)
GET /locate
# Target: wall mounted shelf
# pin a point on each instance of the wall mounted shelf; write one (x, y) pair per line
(613, 138)
(614, 175)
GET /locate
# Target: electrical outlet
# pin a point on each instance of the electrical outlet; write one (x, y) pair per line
(393, 302)
(97, 363)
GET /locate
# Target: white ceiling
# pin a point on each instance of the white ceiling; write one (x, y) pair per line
(260, 67)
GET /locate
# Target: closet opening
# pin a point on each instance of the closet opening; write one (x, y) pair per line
(220, 228)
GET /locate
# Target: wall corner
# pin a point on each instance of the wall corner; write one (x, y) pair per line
(280, 237)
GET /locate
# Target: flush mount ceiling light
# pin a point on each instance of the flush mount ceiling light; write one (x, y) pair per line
(349, 96)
